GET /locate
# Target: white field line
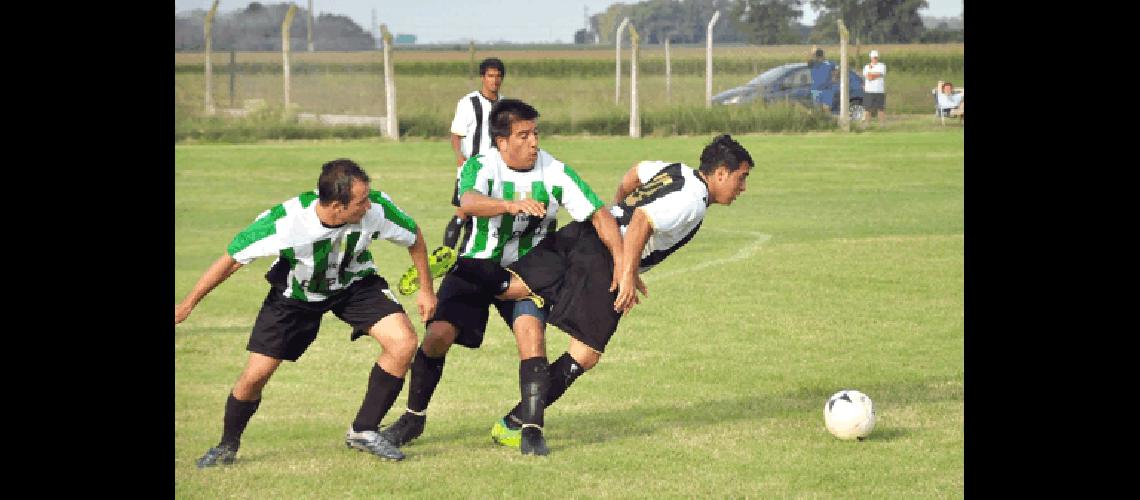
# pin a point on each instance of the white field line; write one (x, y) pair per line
(745, 252)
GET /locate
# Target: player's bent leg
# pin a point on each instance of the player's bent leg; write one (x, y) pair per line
(397, 338)
(241, 404)
(427, 369)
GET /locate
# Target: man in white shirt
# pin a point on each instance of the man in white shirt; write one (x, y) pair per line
(874, 88)
(470, 134)
(950, 103)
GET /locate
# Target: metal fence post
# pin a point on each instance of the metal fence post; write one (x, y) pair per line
(208, 30)
(617, 60)
(634, 117)
(285, 48)
(708, 59)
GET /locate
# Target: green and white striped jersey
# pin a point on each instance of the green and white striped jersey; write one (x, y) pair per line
(321, 260)
(505, 238)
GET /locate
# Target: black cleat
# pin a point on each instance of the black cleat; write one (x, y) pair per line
(408, 427)
(532, 441)
(374, 443)
(222, 454)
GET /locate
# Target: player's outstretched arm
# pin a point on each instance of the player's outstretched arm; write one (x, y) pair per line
(214, 276)
(632, 244)
(425, 298)
(475, 203)
(628, 183)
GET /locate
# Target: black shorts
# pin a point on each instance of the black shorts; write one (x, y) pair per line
(463, 303)
(572, 270)
(873, 101)
(285, 327)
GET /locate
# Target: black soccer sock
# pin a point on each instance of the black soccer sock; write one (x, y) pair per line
(383, 387)
(563, 372)
(238, 413)
(452, 231)
(426, 373)
(534, 380)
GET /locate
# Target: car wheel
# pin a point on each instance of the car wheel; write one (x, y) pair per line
(856, 111)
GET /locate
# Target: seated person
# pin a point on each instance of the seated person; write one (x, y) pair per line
(949, 103)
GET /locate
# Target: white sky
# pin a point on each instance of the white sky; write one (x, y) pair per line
(522, 21)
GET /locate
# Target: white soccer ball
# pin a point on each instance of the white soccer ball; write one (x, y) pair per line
(849, 414)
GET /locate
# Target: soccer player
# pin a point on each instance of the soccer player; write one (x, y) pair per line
(659, 206)
(513, 192)
(320, 239)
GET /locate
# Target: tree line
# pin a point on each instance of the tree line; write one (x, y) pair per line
(258, 28)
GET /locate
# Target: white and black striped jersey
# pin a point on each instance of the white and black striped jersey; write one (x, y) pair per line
(471, 128)
(675, 198)
(320, 260)
(505, 238)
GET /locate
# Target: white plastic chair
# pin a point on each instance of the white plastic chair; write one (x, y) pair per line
(938, 109)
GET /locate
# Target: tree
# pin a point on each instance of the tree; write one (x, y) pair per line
(873, 21)
(768, 21)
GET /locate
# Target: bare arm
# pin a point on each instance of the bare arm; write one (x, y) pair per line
(457, 147)
(475, 203)
(636, 234)
(607, 229)
(425, 299)
(221, 269)
(628, 183)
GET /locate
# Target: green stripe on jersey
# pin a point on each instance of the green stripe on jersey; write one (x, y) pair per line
(482, 226)
(294, 288)
(258, 230)
(307, 198)
(585, 188)
(392, 213)
(538, 193)
(321, 249)
(506, 223)
(557, 191)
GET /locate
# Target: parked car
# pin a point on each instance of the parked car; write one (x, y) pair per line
(792, 82)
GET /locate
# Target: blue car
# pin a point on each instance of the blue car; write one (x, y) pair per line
(792, 82)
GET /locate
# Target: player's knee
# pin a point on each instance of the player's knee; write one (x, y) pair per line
(438, 339)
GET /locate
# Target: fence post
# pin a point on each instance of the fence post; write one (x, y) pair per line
(668, 74)
(844, 106)
(708, 59)
(389, 85)
(208, 29)
(309, 34)
(285, 48)
(634, 116)
(233, 74)
(617, 60)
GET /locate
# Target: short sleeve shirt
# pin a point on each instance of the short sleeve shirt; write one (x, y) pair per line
(322, 260)
(464, 123)
(878, 85)
(674, 198)
(821, 74)
(505, 238)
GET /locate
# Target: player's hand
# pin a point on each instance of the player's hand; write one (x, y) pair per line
(627, 292)
(426, 301)
(181, 312)
(460, 161)
(527, 206)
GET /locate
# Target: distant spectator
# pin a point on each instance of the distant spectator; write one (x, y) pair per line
(822, 73)
(874, 91)
(949, 102)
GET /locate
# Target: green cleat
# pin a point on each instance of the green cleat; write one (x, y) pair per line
(440, 261)
(504, 435)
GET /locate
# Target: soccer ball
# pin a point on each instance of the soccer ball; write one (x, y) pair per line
(849, 414)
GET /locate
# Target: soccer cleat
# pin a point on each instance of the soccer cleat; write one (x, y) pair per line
(504, 435)
(408, 427)
(374, 443)
(440, 261)
(532, 442)
(223, 454)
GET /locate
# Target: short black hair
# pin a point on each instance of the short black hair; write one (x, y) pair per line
(492, 62)
(335, 182)
(506, 112)
(819, 52)
(724, 150)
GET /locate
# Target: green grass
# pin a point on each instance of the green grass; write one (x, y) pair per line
(840, 267)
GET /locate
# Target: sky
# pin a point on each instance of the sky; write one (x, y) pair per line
(523, 21)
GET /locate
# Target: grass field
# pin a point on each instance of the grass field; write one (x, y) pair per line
(840, 267)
